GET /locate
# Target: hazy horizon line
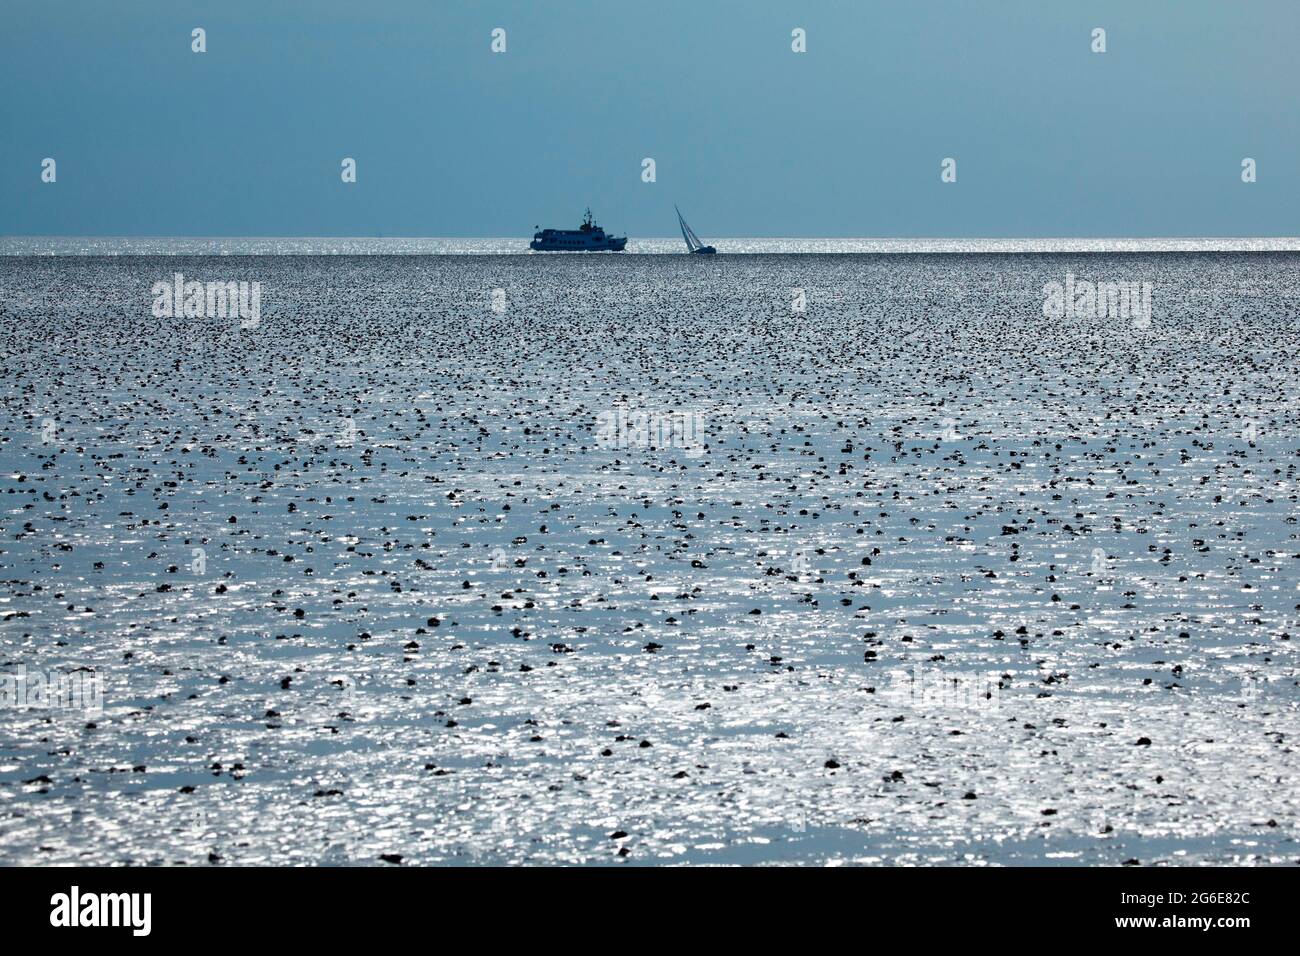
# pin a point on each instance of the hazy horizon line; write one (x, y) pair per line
(674, 238)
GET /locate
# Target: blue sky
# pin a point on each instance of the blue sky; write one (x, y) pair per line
(749, 138)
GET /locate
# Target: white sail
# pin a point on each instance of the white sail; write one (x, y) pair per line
(692, 241)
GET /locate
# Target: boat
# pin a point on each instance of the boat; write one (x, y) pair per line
(588, 237)
(693, 243)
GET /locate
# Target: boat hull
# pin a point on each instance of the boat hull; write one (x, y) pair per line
(608, 244)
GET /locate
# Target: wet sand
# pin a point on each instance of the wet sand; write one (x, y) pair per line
(937, 579)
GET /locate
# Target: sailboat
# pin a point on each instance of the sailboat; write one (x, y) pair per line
(693, 243)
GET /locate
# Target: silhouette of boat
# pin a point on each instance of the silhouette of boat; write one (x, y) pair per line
(588, 237)
(693, 243)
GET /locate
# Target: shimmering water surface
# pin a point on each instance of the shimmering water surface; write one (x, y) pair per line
(937, 580)
(674, 245)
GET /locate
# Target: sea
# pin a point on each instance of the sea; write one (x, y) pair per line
(372, 245)
(814, 552)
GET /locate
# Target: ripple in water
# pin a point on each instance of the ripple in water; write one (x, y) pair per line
(647, 567)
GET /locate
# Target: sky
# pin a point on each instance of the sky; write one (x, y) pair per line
(749, 137)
